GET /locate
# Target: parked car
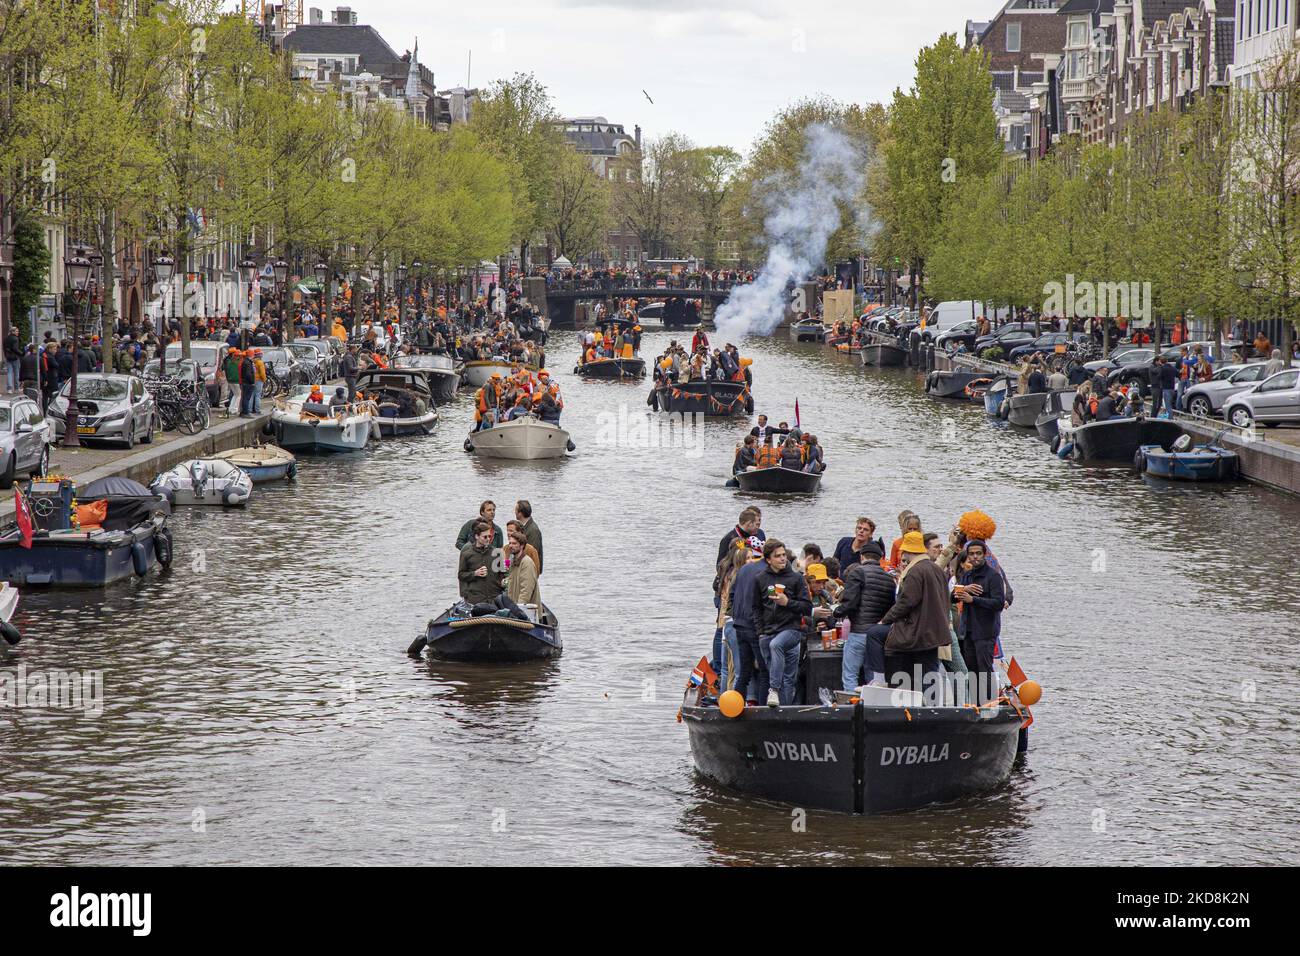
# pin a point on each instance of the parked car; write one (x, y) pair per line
(329, 350)
(1121, 359)
(25, 438)
(1136, 366)
(1046, 344)
(960, 337)
(284, 364)
(1206, 399)
(109, 408)
(1008, 336)
(1272, 402)
(210, 357)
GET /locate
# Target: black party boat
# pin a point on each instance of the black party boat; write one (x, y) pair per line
(490, 638)
(702, 397)
(614, 369)
(776, 480)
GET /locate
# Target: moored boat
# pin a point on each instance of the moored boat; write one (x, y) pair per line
(403, 401)
(262, 462)
(1116, 439)
(490, 638)
(883, 354)
(807, 330)
(204, 481)
(302, 425)
(1183, 462)
(950, 383)
(1048, 422)
(477, 372)
(776, 480)
(703, 398)
(523, 439)
(1024, 410)
(995, 394)
(613, 368)
(851, 757)
(442, 372)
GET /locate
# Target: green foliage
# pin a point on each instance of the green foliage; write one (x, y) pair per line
(31, 265)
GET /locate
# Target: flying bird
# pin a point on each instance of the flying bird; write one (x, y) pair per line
(647, 96)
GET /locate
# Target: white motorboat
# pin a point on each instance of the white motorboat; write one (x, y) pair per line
(204, 481)
(262, 462)
(8, 605)
(403, 398)
(524, 439)
(303, 425)
(477, 372)
(442, 372)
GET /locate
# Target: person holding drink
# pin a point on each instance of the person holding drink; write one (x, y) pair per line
(780, 603)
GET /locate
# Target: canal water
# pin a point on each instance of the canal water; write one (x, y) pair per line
(258, 705)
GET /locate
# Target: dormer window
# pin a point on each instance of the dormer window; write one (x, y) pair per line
(1013, 37)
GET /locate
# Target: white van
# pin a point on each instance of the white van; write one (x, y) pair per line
(948, 314)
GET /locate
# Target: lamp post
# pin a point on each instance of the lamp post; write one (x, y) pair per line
(401, 294)
(248, 271)
(77, 268)
(322, 271)
(163, 266)
(417, 271)
(280, 269)
(374, 291)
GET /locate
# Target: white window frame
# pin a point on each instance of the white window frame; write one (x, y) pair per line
(1016, 26)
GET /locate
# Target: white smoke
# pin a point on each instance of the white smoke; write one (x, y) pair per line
(802, 212)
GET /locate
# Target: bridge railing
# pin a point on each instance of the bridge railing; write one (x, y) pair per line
(701, 283)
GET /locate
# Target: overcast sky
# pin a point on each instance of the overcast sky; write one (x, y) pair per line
(716, 69)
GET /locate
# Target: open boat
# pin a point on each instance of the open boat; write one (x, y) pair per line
(262, 462)
(995, 394)
(807, 330)
(883, 354)
(1116, 439)
(490, 638)
(477, 372)
(524, 439)
(703, 397)
(1048, 422)
(301, 425)
(950, 383)
(612, 368)
(442, 372)
(1183, 462)
(131, 537)
(776, 480)
(403, 400)
(204, 481)
(851, 757)
(8, 605)
(1024, 410)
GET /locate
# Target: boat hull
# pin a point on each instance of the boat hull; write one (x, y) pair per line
(262, 464)
(807, 333)
(613, 369)
(777, 481)
(521, 440)
(402, 427)
(442, 384)
(883, 355)
(713, 399)
(322, 435)
(950, 384)
(1048, 426)
(1206, 463)
(852, 758)
(1118, 439)
(492, 640)
(61, 561)
(476, 374)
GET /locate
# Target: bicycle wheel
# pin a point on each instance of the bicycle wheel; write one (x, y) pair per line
(188, 420)
(205, 415)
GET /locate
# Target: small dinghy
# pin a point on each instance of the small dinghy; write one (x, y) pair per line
(1183, 462)
(614, 369)
(883, 354)
(262, 462)
(456, 635)
(778, 481)
(524, 439)
(204, 481)
(950, 383)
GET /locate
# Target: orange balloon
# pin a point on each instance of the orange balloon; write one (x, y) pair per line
(1029, 693)
(731, 703)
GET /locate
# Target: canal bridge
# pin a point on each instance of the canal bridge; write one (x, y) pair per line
(560, 299)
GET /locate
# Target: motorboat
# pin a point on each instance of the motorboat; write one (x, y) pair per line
(995, 394)
(8, 605)
(883, 354)
(703, 397)
(69, 550)
(808, 330)
(204, 481)
(303, 425)
(950, 383)
(402, 398)
(442, 372)
(522, 439)
(262, 462)
(1182, 461)
(612, 368)
(1023, 410)
(776, 480)
(500, 638)
(477, 372)
(1115, 439)
(1048, 422)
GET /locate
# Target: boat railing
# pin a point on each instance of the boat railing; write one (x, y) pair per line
(977, 364)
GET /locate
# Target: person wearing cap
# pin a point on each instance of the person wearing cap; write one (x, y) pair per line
(917, 625)
(780, 603)
(231, 369)
(867, 597)
(980, 597)
(259, 381)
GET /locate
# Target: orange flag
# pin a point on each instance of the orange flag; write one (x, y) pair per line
(1015, 674)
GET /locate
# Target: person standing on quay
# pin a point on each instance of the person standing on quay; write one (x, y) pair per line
(259, 380)
(247, 380)
(232, 379)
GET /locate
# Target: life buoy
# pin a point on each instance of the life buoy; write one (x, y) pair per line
(139, 558)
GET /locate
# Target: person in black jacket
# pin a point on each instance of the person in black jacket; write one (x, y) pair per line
(779, 607)
(13, 357)
(982, 596)
(247, 378)
(868, 596)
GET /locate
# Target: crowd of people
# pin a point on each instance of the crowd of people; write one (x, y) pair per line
(768, 446)
(620, 338)
(500, 569)
(928, 603)
(504, 398)
(702, 363)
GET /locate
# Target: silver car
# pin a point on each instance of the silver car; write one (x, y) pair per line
(25, 436)
(109, 408)
(1206, 399)
(1272, 402)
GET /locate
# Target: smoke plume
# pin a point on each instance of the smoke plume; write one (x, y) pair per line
(802, 212)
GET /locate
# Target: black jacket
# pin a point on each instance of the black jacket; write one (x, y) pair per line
(868, 596)
(772, 618)
(13, 348)
(981, 619)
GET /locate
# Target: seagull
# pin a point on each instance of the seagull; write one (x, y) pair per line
(647, 96)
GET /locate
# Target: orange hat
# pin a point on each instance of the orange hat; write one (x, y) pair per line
(913, 543)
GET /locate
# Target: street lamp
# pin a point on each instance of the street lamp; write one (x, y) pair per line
(280, 269)
(322, 273)
(248, 272)
(163, 267)
(417, 270)
(373, 270)
(77, 268)
(401, 293)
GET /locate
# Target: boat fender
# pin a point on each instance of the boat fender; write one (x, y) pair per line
(732, 483)
(162, 546)
(268, 428)
(10, 633)
(228, 496)
(293, 470)
(1065, 451)
(1056, 443)
(749, 404)
(469, 445)
(1004, 410)
(1076, 453)
(570, 446)
(653, 400)
(418, 645)
(139, 558)
(1139, 461)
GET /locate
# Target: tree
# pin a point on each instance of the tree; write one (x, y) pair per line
(31, 265)
(649, 206)
(710, 176)
(577, 213)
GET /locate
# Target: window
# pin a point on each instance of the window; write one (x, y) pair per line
(1281, 381)
(1078, 33)
(1013, 37)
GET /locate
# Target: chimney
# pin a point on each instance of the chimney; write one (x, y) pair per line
(638, 137)
(315, 17)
